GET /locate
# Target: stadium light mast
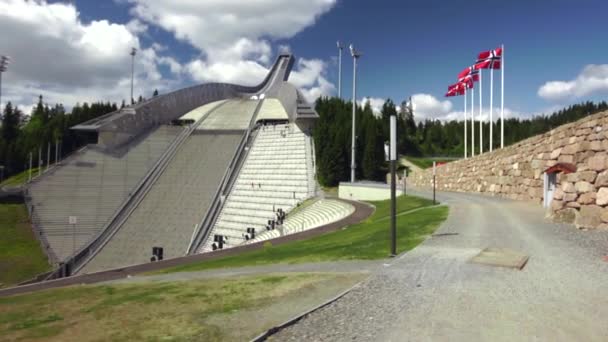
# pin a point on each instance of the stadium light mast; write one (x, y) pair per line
(340, 48)
(133, 53)
(356, 55)
(4, 62)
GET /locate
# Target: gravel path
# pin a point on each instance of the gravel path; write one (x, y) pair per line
(434, 294)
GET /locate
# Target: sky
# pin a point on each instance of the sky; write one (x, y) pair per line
(78, 51)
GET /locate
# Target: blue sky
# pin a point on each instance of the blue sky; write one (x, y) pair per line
(553, 48)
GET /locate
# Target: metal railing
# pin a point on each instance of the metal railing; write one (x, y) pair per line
(204, 228)
(86, 253)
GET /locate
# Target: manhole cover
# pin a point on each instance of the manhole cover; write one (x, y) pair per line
(501, 257)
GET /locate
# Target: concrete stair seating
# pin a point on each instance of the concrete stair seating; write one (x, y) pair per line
(274, 176)
(173, 206)
(91, 185)
(322, 212)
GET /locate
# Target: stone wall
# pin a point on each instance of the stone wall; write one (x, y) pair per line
(516, 172)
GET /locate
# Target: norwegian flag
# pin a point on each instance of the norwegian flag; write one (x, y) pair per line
(456, 89)
(453, 92)
(469, 80)
(489, 59)
(470, 71)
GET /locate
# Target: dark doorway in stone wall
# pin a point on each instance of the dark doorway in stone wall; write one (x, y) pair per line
(549, 188)
(550, 180)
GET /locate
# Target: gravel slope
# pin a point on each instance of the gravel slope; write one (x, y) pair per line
(433, 294)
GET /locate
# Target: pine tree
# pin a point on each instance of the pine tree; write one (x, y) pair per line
(155, 93)
(10, 123)
(372, 160)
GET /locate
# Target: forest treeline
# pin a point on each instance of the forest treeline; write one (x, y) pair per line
(45, 128)
(332, 135)
(47, 125)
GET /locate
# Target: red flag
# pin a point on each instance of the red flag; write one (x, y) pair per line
(489, 59)
(470, 71)
(453, 93)
(468, 80)
(490, 54)
(456, 89)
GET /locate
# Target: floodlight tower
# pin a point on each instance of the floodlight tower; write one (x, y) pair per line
(340, 48)
(356, 55)
(133, 53)
(4, 62)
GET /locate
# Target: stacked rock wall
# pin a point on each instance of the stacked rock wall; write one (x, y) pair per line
(516, 172)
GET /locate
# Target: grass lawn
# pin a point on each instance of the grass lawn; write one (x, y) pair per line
(227, 309)
(366, 240)
(425, 163)
(330, 191)
(19, 178)
(21, 257)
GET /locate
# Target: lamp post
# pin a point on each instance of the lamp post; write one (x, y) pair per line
(393, 162)
(133, 53)
(356, 55)
(4, 62)
(340, 48)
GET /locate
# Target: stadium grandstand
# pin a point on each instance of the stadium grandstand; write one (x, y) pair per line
(200, 169)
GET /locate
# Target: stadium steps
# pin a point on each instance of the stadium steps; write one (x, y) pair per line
(320, 213)
(90, 185)
(174, 205)
(169, 212)
(274, 176)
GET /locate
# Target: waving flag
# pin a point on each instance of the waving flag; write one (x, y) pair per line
(489, 59)
(490, 54)
(470, 71)
(457, 89)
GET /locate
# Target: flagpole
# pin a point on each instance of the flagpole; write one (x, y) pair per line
(491, 103)
(502, 98)
(480, 109)
(473, 123)
(465, 123)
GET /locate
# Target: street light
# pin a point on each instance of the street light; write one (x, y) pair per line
(4, 62)
(133, 53)
(340, 48)
(356, 54)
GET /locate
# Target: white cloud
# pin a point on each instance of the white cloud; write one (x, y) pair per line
(136, 27)
(239, 50)
(485, 115)
(213, 25)
(67, 60)
(592, 79)
(374, 102)
(308, 75)
(429, 107)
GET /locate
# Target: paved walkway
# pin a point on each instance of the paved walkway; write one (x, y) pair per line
(346, 266)
(362, 211)
(434, 294)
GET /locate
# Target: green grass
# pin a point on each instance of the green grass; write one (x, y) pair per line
(196, 310)
(19, 178)
(425, 163)
(366, 240)
(330, 191)
(21, 257)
